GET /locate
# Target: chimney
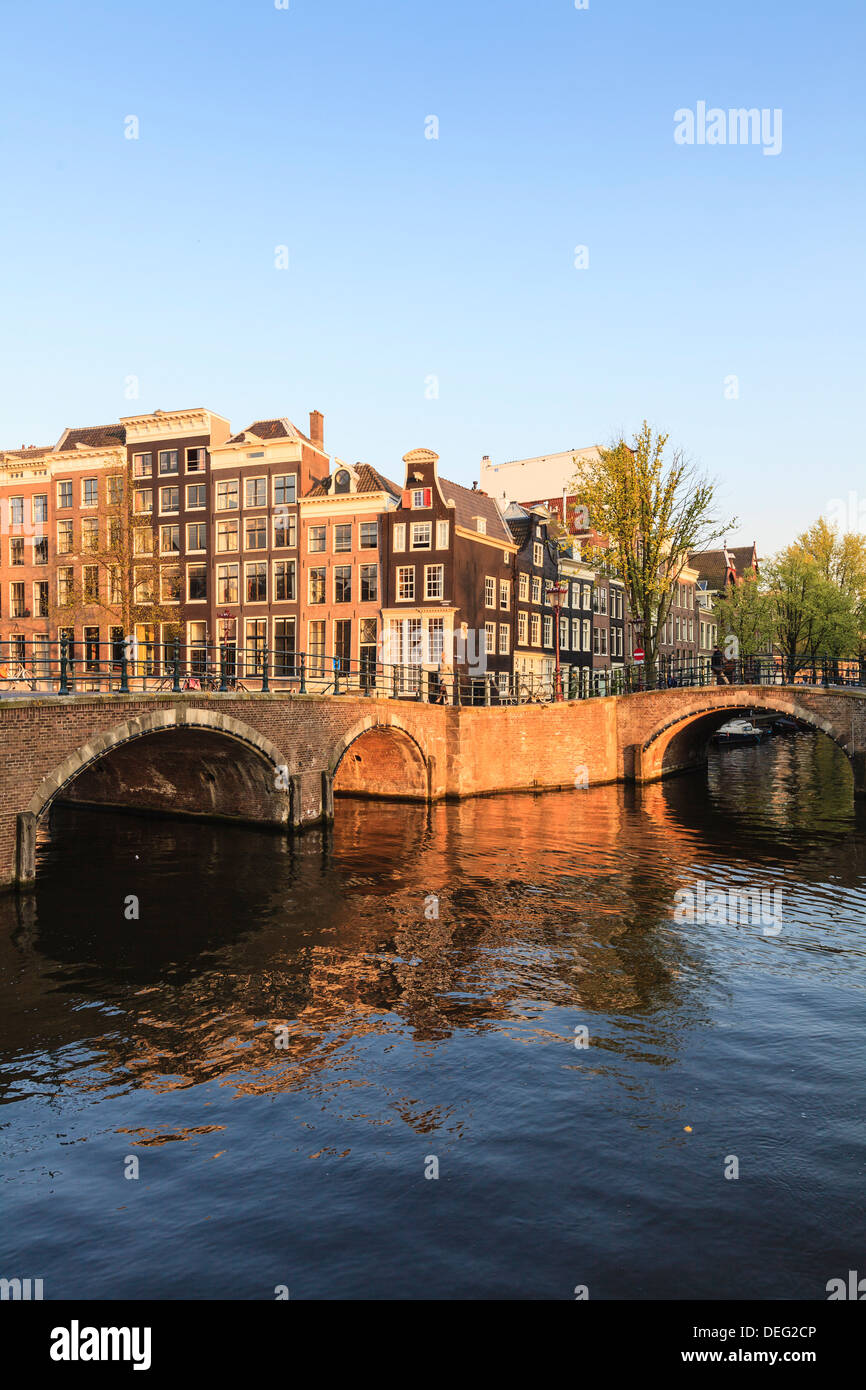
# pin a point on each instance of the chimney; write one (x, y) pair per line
(317, 429)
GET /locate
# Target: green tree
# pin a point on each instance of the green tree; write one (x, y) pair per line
(653, 510)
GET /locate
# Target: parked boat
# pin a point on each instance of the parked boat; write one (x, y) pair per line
(786, 726)
(738, 731)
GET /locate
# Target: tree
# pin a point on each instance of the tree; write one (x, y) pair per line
(841, 560)
(811, 617)
(743, 614)
(654, 511)
(123, 573)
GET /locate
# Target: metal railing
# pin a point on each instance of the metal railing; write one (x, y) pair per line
(68, 668)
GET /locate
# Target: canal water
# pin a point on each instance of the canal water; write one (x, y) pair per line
(290, 1040)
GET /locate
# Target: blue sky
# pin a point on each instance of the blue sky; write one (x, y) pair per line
(412, 258)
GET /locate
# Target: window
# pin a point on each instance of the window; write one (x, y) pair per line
(342, 583)
(435, 639)
(114, 490)
(256, 533)
(196, 536)
(16, 550)
(64, 585)
(115, 594)
(89, 492)
(575, 634)
(169, 539)
(91, 583)
(586, 592)
(599, 601)
(369, 577)
(196, 583)
(422, 497)
(587, 633)
(143, 499)
(256, 492)
(64, 494)
(227, 583)
(434, 581)
(40, 550)
(16, 600)
(227, 496)
(535, 628)
(90, 533)
(285, 530)
(167, 461)
(196, 459)
(523, 586)
(369, 535)
(548, 630)
(599, 641)
(257, 581)
(505, 594)
(343, 644)
(143, 586)
(64, 537)
(16, 511)
(400, 536)
(39, 507)
(169, 586)
(481, 525)
(442, 535)
(284, 642)
(489, 592)
(563, 633)
(285, 489)
(317, 584)
(227, 536)
(142, 465)
(575, 594)
(504, 639)
(91, 648)
(342, 537)
(284, 581)
(422, 532)
(196, 496)
(316, 647)
(406, 583)
(522, 626)
(489, 639)
(537, 553)
(316, 539)
(169, 499)
(536, 588)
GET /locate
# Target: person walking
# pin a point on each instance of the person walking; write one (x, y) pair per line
(717, 664)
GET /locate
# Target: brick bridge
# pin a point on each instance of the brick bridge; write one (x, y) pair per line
(277, 760)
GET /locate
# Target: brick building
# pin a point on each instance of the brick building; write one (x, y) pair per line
(448, 578)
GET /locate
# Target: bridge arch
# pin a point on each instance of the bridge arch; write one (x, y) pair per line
(682, 740)
(381, 758)
(196, 762)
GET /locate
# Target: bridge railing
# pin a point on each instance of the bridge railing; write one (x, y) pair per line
(121, 666)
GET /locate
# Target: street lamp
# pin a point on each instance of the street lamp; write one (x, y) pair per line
(557, 593)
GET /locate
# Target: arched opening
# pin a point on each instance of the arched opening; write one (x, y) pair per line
(182, 771)
(685, 743)
(382, 762)
(199, 765)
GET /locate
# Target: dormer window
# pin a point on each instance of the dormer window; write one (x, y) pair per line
(342, 481)
(418, 498)
(481, 525)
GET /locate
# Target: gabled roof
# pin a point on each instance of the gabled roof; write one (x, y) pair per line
(711, 565)
(469, 503)
(368, 480)
(31, 451)
(269, 429)
(91, 437)
(744, 557)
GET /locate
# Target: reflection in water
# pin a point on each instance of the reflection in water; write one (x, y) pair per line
(289, 1028)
